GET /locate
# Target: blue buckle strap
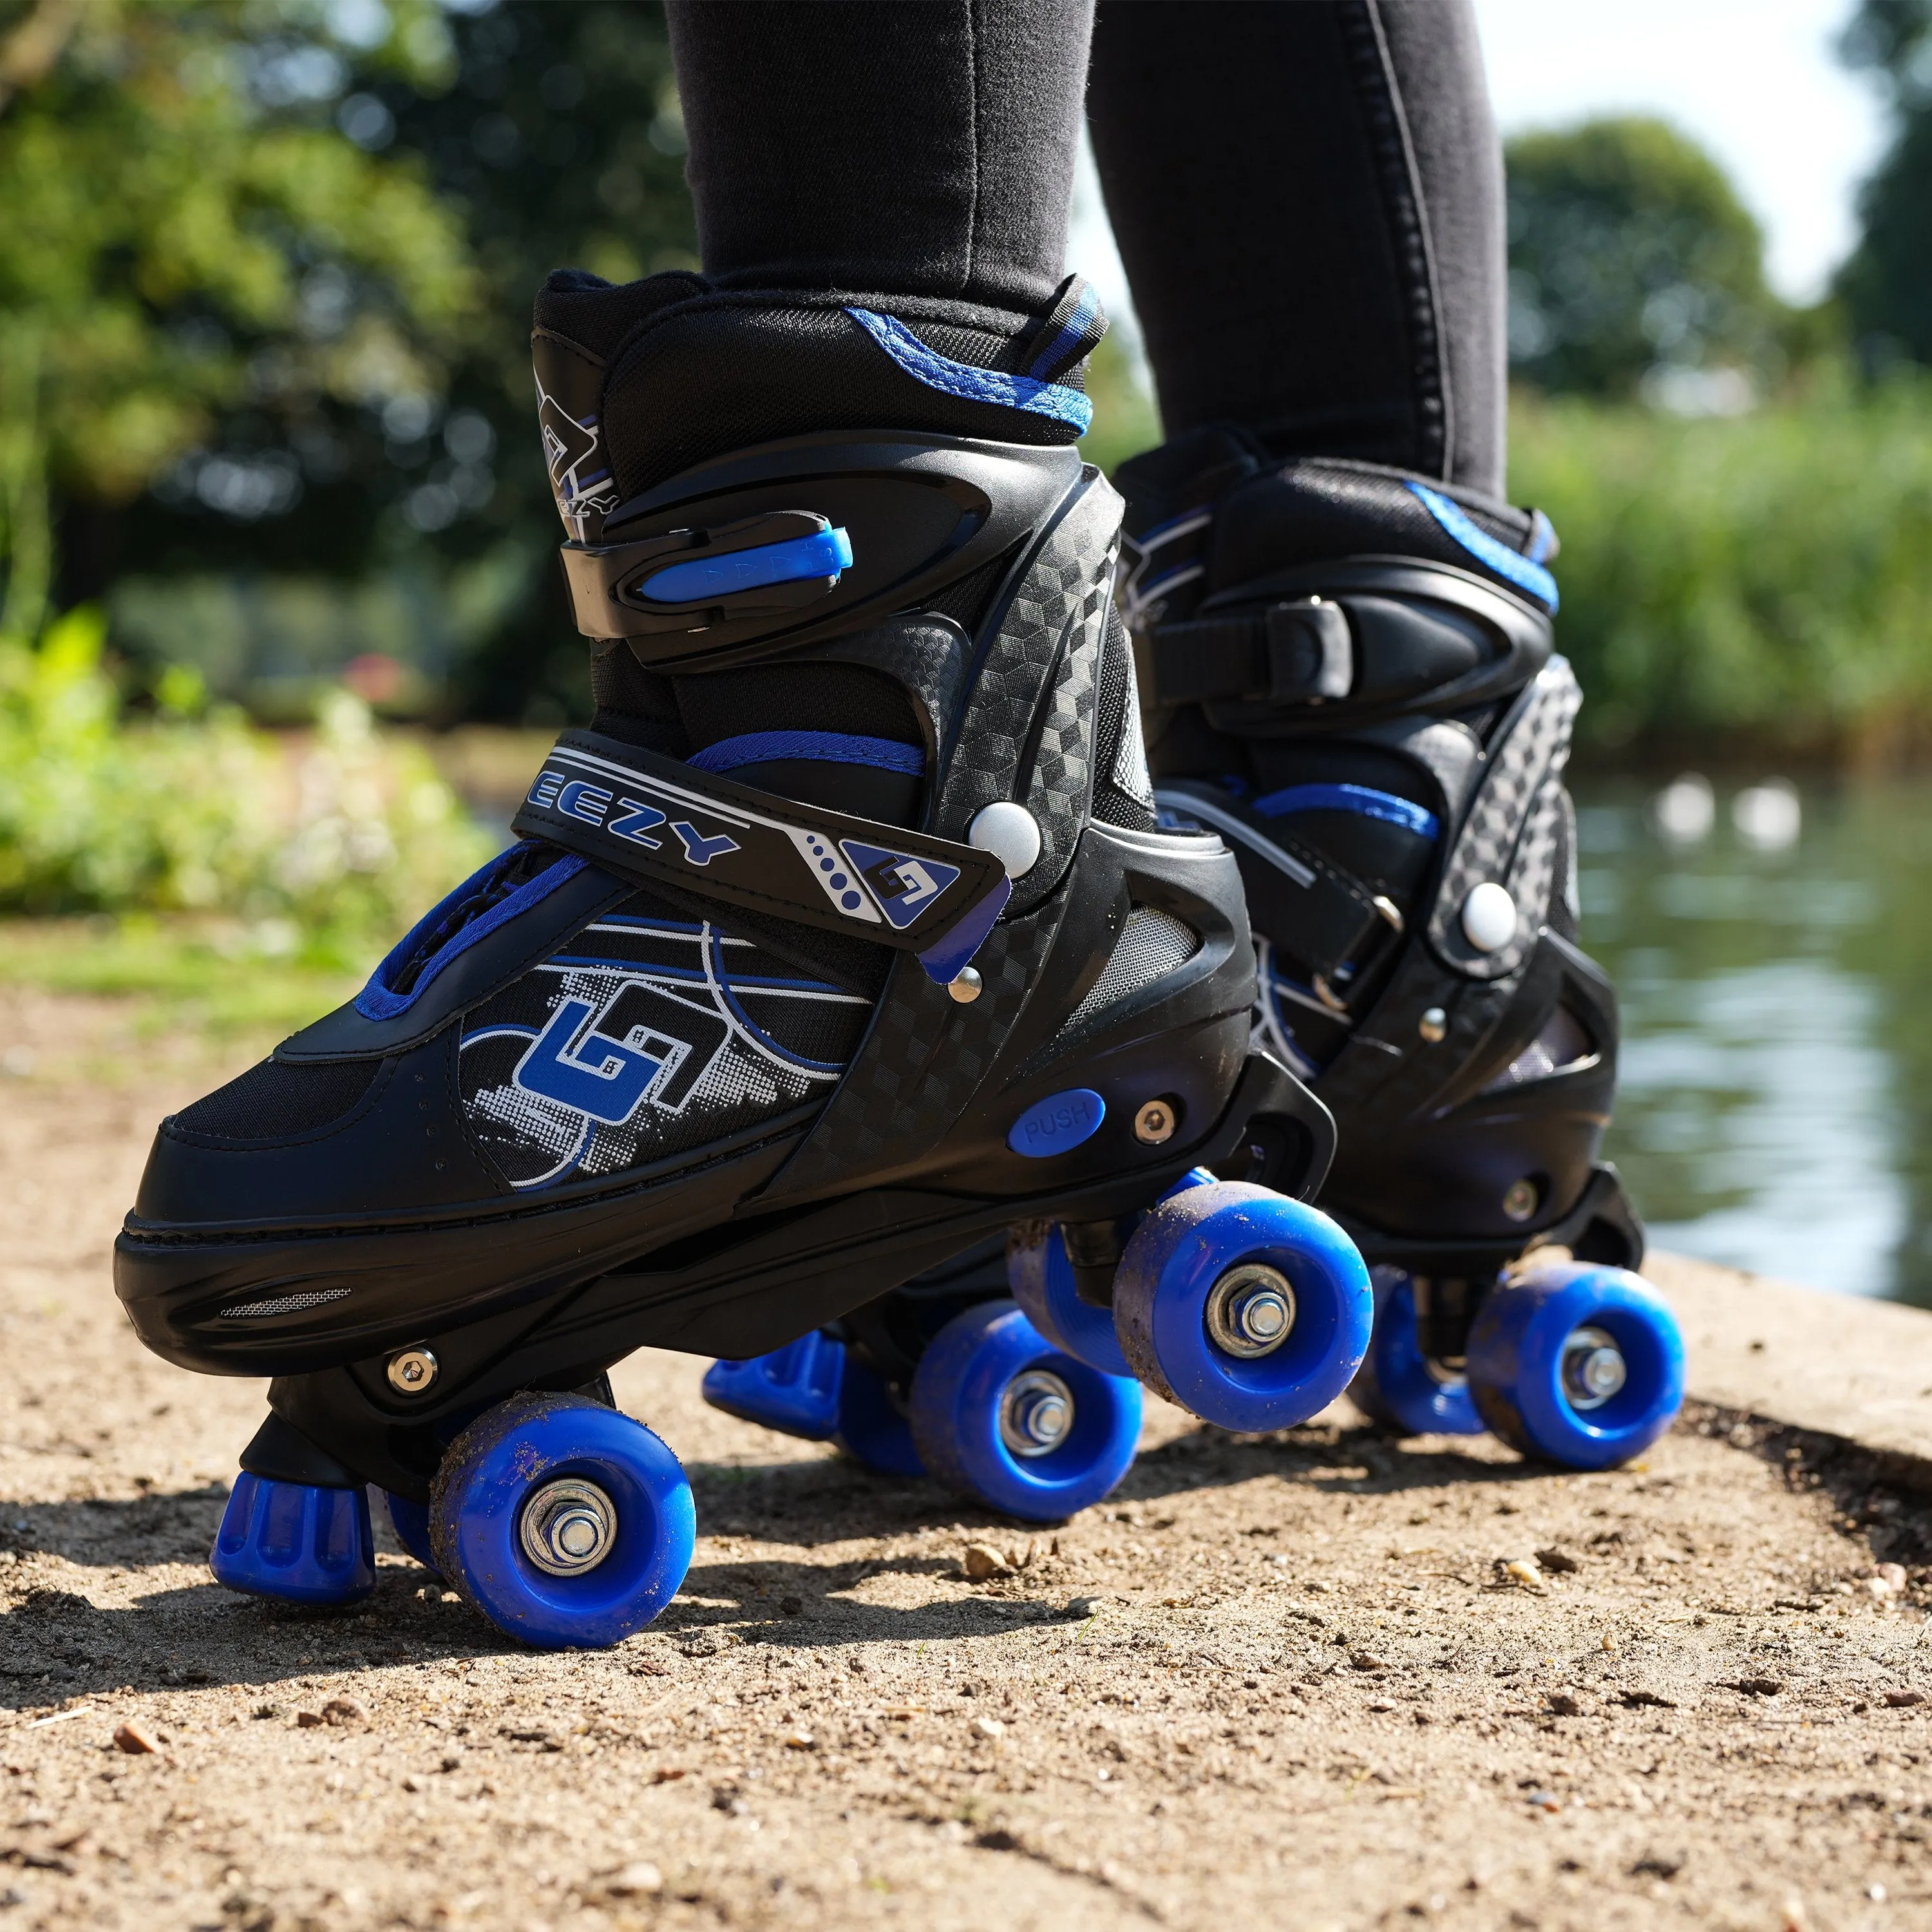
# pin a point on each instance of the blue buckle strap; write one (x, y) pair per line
(658, 820)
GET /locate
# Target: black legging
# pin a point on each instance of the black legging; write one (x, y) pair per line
(1307, 193)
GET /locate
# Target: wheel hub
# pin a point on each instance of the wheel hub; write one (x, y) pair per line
(1250, 1311)
(568, 1527)
(1036, 1414)
(1594, 1368)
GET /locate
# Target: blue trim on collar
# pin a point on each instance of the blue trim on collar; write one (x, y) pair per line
(1069, 332)
(1506, 563)
(1054, 399)
(1358, 799)
(376, 1001)
(834, 748)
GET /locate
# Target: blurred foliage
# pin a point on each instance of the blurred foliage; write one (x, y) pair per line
(1125, 419)
(1630, 257)
(320, 846)
(1886, 285)
(544, 135)
(185, 238)
(1765, 579)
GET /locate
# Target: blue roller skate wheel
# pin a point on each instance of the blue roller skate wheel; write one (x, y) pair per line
(566, 1522)
(1397, 1385)
(1578, 1364)
(410, 1521)
(295, 1541)
(793, 1390)
(1251, 1309)
(1042, 1279)
(990, 1403)
(872, 1427)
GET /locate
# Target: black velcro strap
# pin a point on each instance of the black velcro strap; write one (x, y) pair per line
(654, 819)
(1298, 651)
(1320, 919)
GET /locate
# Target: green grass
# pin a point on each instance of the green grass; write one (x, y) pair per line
(223, 982)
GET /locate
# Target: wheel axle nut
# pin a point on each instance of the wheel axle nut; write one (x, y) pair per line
(1156, 1123)
(1594, 1368)
(568, 1527)
(1520, 1198)
(1250, 1311)
(411, 1371)
(1036, 1413)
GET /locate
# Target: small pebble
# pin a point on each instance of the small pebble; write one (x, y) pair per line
(1086, 1607)
(343, 1710)
(1562, 1705)
(982, 1561)
(641, 1880)
(988, 1728)
(134, 1740)
(1899, 1700)
(307, 1720)
(1520, 1570)
(800, 1741)
(1558, 1561)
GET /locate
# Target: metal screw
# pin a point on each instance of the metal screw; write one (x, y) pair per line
(1594, 1368)
(568, 1526)
(1519, 1202)
(1155, 1123)
(1250, 1311)
(965, 985)
(1036, 1414)
(1434, 1025)
(411, 1372)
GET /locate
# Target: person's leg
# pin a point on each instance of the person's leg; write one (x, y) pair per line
(1344, 630)
(924, 148)
(1308, 198)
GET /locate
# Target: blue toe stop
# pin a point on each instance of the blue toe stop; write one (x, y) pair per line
(794, 1389)
(297, 1541)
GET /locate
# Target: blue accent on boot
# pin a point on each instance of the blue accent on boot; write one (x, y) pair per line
(1516, 1364)
(832, 748)
(959, 1393)
(295, 1541)
(794, 1390)
(1360, 800)
(974, 385)
(823, 554)
(944, 958)
(1057, 1124)
(1171, 1266)
(1512, 564)
(376, 1001)
(498, 1464)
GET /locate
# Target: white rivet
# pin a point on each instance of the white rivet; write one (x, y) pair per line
(1434, 1025)
(965, 986)
(1489, 917)
(1009, 831)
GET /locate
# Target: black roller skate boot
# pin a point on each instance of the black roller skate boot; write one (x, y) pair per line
(1351, 679)
(844, 939)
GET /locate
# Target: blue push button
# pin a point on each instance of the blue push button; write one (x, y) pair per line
(1059, 1122)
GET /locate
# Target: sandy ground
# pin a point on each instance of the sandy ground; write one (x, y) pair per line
(1275, 1681)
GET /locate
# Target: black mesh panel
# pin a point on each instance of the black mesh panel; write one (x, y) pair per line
(274, 1101)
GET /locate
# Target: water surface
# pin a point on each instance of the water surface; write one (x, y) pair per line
(1776, 1103)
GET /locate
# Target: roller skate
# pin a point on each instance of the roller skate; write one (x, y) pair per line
(844, 940)
(1351, 680)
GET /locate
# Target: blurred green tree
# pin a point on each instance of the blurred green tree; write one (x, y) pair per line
(1631, 257)
(1886, 282)
(186, 235)
(549, 133)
